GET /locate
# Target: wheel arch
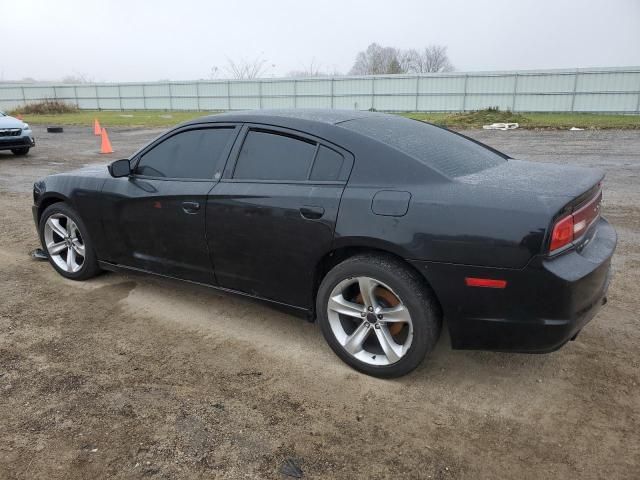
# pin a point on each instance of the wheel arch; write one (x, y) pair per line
(342, 253)
(48, 200)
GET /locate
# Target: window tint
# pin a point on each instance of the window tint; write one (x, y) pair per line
(327, 165)
(449, 153)
(272, 156)
(190, 154)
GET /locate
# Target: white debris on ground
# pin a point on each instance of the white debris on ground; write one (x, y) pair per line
(501, 126)
(575, 129)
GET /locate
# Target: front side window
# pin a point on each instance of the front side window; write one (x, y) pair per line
(274, 156)
(189, 154)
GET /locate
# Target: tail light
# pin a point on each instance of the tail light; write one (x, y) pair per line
(571, 227)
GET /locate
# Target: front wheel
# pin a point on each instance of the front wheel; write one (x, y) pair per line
(377, 315)
(67, 243)
(20, 151)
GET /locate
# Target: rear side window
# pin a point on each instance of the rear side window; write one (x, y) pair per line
(449, 153)
(274, 156)
(189, 154)
(327, 165)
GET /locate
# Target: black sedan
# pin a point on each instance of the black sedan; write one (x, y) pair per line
(376, 226)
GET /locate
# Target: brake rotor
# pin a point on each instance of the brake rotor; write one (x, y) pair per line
(389, 300)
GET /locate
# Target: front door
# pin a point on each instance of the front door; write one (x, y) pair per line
(154, 220)
(272, 217)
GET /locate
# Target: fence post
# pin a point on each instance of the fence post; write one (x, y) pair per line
(464, 93)
(295, 93)
(575, 87)
(144, 98)
(417, 90)
(515, 93)
(373, 91)
(638, 102)
(229, 95)
(198, 95)
(170, 97)
(260, 94)
(332, 94)
(75, 94)
(24, 97)
(120, 97)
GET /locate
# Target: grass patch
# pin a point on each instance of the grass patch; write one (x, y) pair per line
(467, 120)
(127, 118)
(559, 121)
(45, 107)
(474, 119)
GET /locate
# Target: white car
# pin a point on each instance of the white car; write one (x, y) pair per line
(15, 135)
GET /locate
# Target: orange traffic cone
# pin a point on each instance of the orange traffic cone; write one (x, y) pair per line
(106, 144)
(96, 127)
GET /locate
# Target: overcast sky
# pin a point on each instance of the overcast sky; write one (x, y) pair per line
(130, 40)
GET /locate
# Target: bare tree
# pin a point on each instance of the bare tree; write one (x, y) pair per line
(312, 70)
(77, 77)
(376, 60)
(213, 73)
(246, 69)
(431, 59)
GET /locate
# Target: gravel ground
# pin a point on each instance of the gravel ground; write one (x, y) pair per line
(127, 377)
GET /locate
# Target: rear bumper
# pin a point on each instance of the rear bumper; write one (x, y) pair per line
(543, 306)
(7, 143)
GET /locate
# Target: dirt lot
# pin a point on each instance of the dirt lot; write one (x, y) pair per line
(128, 377)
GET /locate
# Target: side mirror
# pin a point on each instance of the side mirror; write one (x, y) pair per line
(120, 168)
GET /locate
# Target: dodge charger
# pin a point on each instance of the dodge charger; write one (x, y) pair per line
(377, 227)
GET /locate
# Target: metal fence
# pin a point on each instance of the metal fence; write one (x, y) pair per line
(578, 90)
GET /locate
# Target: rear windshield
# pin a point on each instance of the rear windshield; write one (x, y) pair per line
(449, 153)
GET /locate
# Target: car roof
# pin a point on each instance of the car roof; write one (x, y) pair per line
(315, 115)
(448, 154)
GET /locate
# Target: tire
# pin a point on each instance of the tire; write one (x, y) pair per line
(413, 336)
(20, 151)
(60, 237)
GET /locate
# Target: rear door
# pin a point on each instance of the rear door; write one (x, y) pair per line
(272, 216)
(155, 219)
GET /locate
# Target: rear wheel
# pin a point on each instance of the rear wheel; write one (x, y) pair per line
(377, 315)
(67, 243)
(20, 151)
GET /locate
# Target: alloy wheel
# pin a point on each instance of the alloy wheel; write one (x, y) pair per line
(370, 321)
(64, 243)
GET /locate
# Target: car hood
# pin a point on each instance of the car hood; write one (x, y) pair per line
(10, 122)
(95, 171)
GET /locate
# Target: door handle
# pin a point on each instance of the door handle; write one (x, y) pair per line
(312, 213)
(190, 207)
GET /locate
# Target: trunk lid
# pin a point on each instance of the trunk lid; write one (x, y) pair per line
(549, 180)
(565, 192)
